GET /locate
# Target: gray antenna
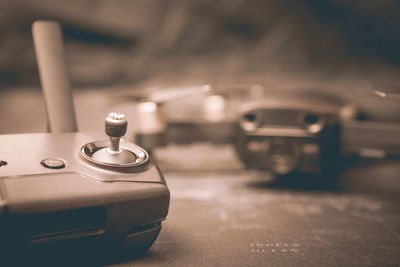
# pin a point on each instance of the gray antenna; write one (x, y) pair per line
(56, 88)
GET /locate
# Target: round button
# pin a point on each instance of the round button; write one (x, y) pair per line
(53, 163)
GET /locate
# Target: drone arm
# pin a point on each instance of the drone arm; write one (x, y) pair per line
(371, 139)
(185, 133)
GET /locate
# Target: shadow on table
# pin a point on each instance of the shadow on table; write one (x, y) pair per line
(300, 182)
(381, 178)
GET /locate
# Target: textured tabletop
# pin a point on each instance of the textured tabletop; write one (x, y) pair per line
(223, 215)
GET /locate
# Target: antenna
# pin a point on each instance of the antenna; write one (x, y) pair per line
(56, 88)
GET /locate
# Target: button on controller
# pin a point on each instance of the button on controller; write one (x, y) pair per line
(53, 163)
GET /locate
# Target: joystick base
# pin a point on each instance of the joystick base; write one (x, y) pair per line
(124, 157)
(97, 153)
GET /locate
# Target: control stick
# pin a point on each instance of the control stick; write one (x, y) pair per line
(115, 127)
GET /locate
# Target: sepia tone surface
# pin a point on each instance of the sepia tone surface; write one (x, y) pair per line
(221, 214)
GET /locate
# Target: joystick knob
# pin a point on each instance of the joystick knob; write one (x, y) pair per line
(115, 128)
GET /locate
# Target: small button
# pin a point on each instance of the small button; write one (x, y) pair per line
(53, 163)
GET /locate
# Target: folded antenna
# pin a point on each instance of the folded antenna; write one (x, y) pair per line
(56, 88)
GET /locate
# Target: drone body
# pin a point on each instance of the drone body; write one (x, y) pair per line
(278, 134)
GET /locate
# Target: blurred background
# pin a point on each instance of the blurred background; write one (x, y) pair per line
(340, 48)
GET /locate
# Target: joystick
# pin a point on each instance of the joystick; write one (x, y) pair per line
(114, 153)
(115, 128)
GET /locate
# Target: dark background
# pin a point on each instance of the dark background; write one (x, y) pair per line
(339, 48)
(127, 42)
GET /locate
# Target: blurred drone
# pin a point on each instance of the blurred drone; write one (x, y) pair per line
(279, 134)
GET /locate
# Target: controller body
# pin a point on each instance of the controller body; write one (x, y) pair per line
(50, 196)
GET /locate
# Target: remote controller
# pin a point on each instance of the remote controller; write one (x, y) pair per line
(57, 188)
(71, 190)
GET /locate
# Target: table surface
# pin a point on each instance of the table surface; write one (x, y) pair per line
(221, 214)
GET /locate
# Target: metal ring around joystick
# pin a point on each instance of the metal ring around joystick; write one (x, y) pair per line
(141, 156)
